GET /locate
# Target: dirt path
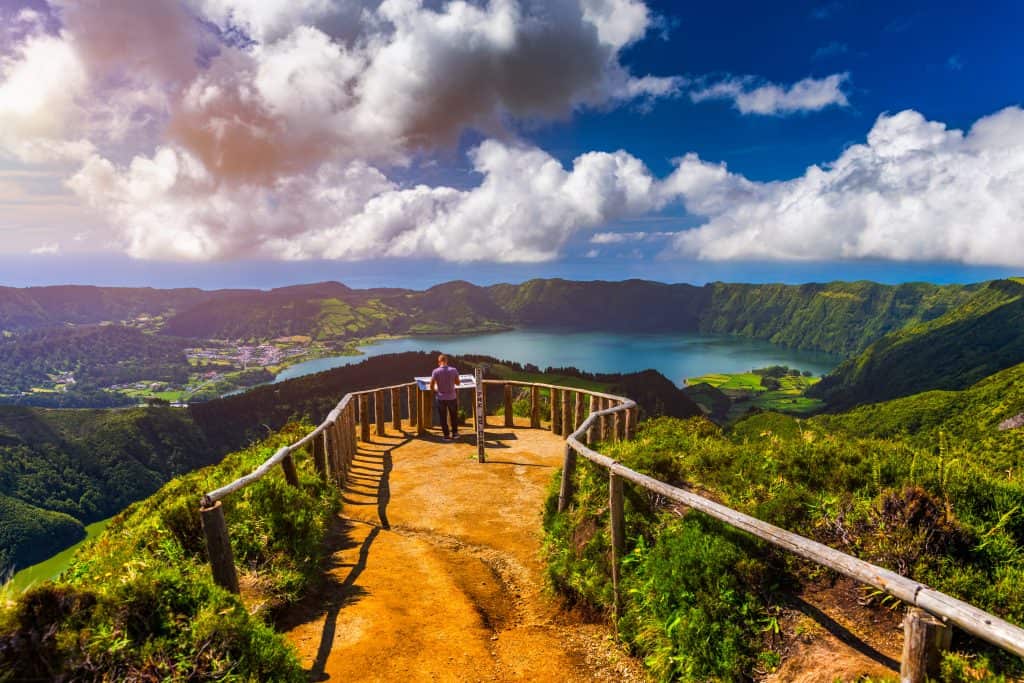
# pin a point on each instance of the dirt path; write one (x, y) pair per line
(436, 573)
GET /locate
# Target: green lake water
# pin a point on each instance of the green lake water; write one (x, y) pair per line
(51, 568)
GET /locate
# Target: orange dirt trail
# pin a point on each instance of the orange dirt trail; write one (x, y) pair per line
(436, 576)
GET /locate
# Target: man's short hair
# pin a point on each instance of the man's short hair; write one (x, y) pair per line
(442, 358)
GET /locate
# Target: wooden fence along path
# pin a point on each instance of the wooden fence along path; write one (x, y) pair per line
(586, 417)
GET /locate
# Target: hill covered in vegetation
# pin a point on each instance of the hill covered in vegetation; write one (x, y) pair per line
(38, 307)
(928, 486)
(63, 469)
(139, 602)
(840, 318)
(971, 341)
(93, 356)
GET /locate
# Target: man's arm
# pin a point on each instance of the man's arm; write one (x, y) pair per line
(457, 378)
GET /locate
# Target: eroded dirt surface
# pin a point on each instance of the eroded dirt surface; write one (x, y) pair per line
(832, 636)
(436, 576)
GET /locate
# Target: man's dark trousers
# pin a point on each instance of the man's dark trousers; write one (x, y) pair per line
(449, 410)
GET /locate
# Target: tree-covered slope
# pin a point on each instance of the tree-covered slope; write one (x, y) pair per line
(970, 342)
(86, 464)
(632, 305)
(97, 356)
(36, 307)
(839, 317)
(139, 603)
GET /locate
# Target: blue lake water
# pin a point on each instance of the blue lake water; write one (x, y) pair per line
(677, 356)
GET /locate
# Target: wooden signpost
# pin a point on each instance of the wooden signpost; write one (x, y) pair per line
(478, 375)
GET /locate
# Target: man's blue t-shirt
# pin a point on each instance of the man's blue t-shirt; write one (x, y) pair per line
(444, 377)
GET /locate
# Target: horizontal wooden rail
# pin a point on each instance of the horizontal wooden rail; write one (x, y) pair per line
(276, 459)
(559, 387)
(975, 621)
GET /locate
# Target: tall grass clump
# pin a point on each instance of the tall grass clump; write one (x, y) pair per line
(139, 603)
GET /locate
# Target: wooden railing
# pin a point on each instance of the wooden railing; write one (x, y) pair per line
(586, 417)
(929, 613)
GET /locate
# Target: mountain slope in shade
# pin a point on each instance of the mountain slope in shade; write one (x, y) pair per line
(953, 351)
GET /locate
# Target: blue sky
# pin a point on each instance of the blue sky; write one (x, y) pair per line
(236, 143)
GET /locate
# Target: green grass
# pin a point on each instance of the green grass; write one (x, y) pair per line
(747, 391)
(746, 381)
(139, 601)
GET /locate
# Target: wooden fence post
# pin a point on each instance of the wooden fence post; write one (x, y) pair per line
(396, 408)
(594, 433)
(924, 640)
(479, 413)
(631, 416)
(568, 470)
(618, 533)
(578, 420)
(218, 547)
(364, 417)
(566, 413)
(337, 454)
(509, 422)
(556, 412)
(378, 411)
(345, 441)
(534, 407)
(620, 425)
(290, 474)
(421, 414)
(606, 421)
(412, 398)
(483, 402)
(319, 463)
(330, 448)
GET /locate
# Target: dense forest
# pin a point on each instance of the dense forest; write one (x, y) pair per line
(96, 356)
(62, 469)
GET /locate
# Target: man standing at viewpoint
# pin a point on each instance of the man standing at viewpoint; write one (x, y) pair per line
(443, 381)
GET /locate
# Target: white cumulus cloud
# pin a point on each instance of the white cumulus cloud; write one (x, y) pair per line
(915, 191)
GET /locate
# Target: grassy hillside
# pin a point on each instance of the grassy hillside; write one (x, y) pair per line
(928, 486)
(960, 347)
(139, 602)
(60, 469)
(838, 317)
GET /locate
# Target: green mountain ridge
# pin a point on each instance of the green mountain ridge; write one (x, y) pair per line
(952, 351)
(838, 317)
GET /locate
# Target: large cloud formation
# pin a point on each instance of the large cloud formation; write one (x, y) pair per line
(241, 128)
(915, 191)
